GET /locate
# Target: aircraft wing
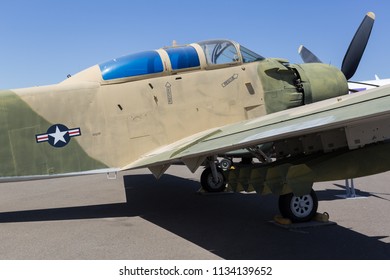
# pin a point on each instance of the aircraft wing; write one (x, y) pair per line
(352, 120)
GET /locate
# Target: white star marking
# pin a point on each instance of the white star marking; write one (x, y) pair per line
(58, 135)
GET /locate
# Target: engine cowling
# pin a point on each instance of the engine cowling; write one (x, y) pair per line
(288, 85)
(321, 81)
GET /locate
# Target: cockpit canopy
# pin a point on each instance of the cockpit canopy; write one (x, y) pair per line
(219, 52)
(202, 55)
(142, 63)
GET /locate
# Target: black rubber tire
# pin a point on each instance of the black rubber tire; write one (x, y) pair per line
(298, 208)
(207, 182)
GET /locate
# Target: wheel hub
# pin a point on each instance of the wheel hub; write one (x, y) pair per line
(301, 206)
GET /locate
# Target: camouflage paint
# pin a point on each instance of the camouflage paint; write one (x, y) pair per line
(21, 155)
(297, 175)
(287, 86)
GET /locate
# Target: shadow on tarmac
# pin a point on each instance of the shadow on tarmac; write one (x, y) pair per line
(232, 226)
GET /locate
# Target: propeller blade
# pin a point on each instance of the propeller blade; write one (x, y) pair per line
(307, 56)
(357, 46)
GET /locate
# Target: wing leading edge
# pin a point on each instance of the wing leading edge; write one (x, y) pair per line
(351, 121)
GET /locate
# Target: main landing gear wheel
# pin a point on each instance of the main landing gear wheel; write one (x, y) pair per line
(298, 208)
(210, 184)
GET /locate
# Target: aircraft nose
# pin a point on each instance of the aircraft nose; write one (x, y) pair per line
(321, 81)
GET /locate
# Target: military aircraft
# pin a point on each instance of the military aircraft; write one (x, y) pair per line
(200, 104)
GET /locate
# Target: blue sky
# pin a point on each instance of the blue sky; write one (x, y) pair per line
(43, 40)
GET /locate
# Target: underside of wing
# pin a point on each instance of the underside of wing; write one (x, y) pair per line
(348, 123)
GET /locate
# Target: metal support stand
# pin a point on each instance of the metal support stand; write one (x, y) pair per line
(350, 189)
(350, 192)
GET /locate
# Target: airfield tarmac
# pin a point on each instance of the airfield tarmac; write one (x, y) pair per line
(138, 217)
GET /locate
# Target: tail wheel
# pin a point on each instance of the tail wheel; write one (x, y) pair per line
(211, 184)
(298, 208)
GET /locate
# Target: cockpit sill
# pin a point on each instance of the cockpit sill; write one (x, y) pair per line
(205, 55)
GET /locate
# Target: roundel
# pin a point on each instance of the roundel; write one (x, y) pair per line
(58, 135)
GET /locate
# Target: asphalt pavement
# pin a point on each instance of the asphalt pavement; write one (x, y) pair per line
(136, 216)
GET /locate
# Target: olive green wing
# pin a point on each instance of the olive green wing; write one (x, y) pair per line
(351, 121)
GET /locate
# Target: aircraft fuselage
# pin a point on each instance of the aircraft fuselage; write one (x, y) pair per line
(107, 117)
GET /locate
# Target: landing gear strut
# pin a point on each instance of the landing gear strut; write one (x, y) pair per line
(298, 208)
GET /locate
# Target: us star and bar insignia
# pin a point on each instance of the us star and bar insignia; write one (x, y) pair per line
(58, 135)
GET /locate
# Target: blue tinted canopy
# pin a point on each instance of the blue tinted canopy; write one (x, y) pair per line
(142, 63)
(183, 57)
(216, 52)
